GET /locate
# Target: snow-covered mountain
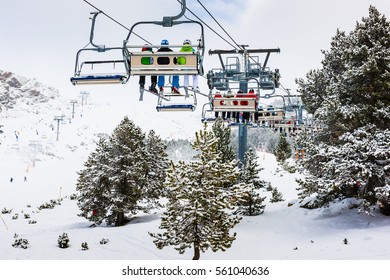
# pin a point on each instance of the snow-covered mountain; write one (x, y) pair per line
(19, 95)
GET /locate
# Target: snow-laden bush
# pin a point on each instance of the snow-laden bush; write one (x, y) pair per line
(20, 243)
(63, 241)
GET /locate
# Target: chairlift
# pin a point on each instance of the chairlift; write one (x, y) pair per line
(234, 76)
(270, 114)
(216, 78)
(267, 80)
(208, 115)
(97, 72)
(176, 102)
(230, 102)
(164, 63)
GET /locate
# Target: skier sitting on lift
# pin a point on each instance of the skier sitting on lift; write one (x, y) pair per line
(165, 61)
(153, 79)
(182, 60)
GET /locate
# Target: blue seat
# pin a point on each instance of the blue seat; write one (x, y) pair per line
(175, 107)
(103, 79)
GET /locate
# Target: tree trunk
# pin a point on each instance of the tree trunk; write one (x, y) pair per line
(196, 251)
(120, 219)
(384, 208)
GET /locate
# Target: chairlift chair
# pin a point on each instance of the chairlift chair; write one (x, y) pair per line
(270, 115)
(174, 102)
(165, 63)
(193, 60)
(82, 76)
(208, 115)
(92, 75)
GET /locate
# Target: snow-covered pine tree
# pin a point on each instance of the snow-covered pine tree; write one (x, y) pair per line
(349, 96)
(252, 202)
(127, 171)
(94, 186)
(283, 149)
(222, 133)
(120, 177)
(276, 196)
(157, 164)
(197, 213)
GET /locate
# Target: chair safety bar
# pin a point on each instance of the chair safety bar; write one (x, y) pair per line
(164, 63)
(285, 124)
(271, 115)
(234, 104)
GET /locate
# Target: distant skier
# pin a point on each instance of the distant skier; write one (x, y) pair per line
(11, 180)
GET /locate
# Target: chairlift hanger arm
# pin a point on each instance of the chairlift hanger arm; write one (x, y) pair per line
(100, 47)
(168, 20)
(161, 23)
(222, 62)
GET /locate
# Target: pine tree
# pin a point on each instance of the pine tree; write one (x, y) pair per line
(276, 196)
(350, 98)
(283, 149)
(156, 166)
(93, 185)
(128, 169)
(222, 133)
(223, 147)
(197, 210)
(122, 176)
(252, 202)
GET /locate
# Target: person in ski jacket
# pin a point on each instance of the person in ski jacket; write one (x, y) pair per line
(182, 61)
(147, 60)
(164, 61)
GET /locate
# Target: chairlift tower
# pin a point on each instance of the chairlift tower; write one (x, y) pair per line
(58, 119)
(73, 102)
(240, 71)
(84, 96)
(35, 144)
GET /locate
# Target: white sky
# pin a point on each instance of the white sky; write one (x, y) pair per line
(40, 38)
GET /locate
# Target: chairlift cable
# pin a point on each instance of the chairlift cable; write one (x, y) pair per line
(86, 45)
(219, 25)
(117, 22)
(239, 47)
(205, 24)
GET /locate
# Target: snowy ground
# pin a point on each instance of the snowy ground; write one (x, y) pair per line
(50, 166)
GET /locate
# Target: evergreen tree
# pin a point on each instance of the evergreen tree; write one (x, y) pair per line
(252, 202)
(156, 166)
(350, 98)
(283, 149)
(122, 176)
(128, 169)
(276, 196)
(93, 185)
(196, 213)
(222, 133)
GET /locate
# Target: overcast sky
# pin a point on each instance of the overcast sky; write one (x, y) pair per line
(39, 39)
